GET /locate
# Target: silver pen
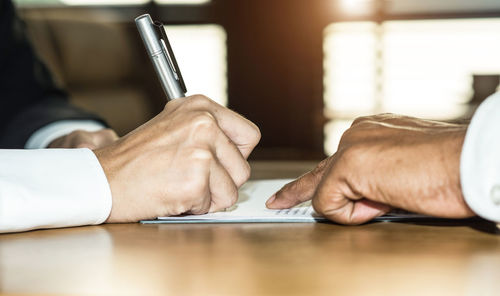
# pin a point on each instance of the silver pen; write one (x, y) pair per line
(162, 56)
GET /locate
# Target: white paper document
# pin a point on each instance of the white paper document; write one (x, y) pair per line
(251, 208)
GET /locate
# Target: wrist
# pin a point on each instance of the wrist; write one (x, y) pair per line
(451, 153)
(103, 157)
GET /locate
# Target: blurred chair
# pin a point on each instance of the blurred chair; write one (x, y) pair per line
(99, 59)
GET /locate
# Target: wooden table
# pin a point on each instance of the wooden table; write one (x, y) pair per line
(254, 259)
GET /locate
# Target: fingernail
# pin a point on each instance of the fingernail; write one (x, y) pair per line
(271, 200)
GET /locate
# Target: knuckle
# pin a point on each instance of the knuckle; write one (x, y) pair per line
(203, 120)
(109, 132)
(174, 104)
(364, 123)
(352, 156)
(348, 135)
(371, 120)
(200, 100)
(361, 119)
(385, 116)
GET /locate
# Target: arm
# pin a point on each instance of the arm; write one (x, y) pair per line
(387, 161)
(191, 158)
(51, 188)
(29, 98)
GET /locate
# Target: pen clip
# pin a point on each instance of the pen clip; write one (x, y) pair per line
(170, 54)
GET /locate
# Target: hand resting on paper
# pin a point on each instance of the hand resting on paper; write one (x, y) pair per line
(385, 161)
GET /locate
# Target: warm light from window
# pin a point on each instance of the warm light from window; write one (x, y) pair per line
(350, 76)
(417, 68)
(428, 65)
(201, 52)
(356, 6)
(350, 67)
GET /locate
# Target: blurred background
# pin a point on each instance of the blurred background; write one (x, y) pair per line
(300, 69)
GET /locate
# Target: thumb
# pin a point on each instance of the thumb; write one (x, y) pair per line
(300, 190)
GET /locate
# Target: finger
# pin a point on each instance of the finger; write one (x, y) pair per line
(82, 139)
(242, 132)
(203, 205)
(94, 140)
(352, 212)
(194, 182)
(232, 160)
(90, 146)
(223, 191)
(90, 140)
(104, 137)
(299, 190)
(337, 200)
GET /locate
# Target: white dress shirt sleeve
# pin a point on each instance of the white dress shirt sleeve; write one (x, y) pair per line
(51, 188)
(480, 161)
(45, 135)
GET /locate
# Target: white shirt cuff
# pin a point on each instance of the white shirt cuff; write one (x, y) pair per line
(50, 188)
(45, 135)
(480, 161)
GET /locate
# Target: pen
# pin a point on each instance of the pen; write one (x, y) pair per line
(162, 56)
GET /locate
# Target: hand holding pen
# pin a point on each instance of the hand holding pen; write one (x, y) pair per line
(190, 158)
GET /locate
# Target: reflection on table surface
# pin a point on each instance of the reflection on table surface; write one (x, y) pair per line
(254, 259)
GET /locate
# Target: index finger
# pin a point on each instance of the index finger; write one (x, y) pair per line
(300, 190)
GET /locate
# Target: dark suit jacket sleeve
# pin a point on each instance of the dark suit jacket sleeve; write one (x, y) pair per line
(29, 99)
